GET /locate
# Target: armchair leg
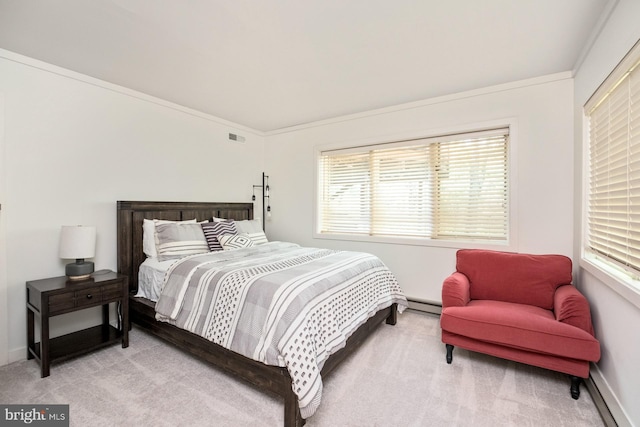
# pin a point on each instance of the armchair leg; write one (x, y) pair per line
(575, 386)
(449, 353)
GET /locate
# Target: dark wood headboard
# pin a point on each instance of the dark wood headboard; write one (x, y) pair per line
(131, 214)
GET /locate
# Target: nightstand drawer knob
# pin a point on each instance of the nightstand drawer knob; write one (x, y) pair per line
(89, 296)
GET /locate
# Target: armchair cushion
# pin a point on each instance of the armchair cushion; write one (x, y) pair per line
(514, 277)
(520, 326)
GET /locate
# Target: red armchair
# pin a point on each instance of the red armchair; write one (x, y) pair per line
(519, 307)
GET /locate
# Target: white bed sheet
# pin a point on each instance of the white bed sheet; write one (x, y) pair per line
(150, 277)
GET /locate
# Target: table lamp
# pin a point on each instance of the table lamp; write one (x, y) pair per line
(78, 242)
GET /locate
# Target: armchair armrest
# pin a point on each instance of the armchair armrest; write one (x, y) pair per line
(571, 307)
(455, 290)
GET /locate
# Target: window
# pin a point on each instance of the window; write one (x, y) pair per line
(613, 205)
(452, 187)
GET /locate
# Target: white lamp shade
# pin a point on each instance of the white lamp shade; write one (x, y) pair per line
(77, 242)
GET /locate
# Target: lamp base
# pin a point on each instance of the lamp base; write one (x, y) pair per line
(79, 278)
(79, 270)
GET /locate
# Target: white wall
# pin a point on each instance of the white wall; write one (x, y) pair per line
(543, 111)
(73, 146)
(4, 335)
(616, 318)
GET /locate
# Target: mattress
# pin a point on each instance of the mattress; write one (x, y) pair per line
(150, 277)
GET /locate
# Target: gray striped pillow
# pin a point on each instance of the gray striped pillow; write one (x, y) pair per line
(176, 240)
(213, 229)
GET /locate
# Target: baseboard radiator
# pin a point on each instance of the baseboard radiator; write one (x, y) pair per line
(426, 306)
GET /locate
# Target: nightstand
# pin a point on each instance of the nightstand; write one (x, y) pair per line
(58, 295)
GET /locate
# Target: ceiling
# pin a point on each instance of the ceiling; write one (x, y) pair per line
(272, 64)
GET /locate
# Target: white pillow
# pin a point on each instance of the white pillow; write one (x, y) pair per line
(149, 235)
(253, 228)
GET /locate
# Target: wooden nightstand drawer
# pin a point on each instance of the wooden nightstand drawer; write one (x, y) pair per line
(61, 302)
(88, 297)
(111, 292)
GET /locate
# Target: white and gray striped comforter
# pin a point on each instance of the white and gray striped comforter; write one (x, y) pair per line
(280, 304)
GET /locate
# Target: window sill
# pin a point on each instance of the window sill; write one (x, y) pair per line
(407, 241)
(617, 281)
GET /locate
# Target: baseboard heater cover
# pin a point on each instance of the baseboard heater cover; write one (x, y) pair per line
(425, 305)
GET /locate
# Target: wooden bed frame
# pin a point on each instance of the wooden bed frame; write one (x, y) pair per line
(270, 378)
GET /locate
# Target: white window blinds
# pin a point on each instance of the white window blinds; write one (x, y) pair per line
(613, 210)
(450, 187)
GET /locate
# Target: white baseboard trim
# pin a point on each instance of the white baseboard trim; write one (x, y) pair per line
(606, 401)
(17, 355)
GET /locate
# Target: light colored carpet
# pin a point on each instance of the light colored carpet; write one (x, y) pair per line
(399, 377)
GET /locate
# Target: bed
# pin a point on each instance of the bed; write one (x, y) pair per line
(270, 378)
